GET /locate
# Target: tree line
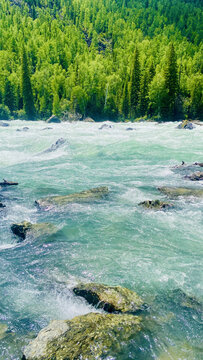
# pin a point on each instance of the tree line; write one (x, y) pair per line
(116, 59)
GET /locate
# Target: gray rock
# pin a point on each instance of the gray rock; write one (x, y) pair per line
(82, 197)
(55, 146)
(89, 337)
(106, 126)
(2, 205)
(53, 119)
(113, 299)
(6, 183)
(3, 124)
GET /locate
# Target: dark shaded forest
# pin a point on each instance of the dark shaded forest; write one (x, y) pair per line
(116, 59)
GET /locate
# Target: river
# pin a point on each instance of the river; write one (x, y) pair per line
(112, 241)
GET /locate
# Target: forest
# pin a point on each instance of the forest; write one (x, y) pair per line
(107, 59)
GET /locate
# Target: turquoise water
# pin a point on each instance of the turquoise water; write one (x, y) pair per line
(112, 241)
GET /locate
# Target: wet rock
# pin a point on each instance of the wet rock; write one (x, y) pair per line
(88, 119)
(113, 299)
(186, 125)
(195, 177)
(25, 128)
(92, 336)
(55, 146)
(7, 183)
(3, 124)
(106, 126)
(26, 228)
(47, 128)
(53, 119)
(84, 196)
(130, 129)
(180, 191)
(156, 205)
(2, 205)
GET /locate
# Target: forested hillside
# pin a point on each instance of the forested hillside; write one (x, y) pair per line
(112, 59)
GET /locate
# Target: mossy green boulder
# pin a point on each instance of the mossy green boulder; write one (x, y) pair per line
(181, 191)
(113, 299)
(26, 228)
(155, 205)
(90, 336)
(81, 197)
(3, 331)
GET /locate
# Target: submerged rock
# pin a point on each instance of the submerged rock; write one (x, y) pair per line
(186, 125)
(3, 124)
(156, 205)
(130, 129)
(26, 228)
(53, 119)
(113, 299)
(181, 351)
(55, 146)
(3, 331)
(186, 301)
(2, 205)
(92, 336)
(47, 128)
(8, 183)
(196, 176)
(84, 196)
(180, 191)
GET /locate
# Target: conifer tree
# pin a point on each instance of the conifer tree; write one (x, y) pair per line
(9, 96)
(27, 95)
(171, 83)
(135, 84)
(144, 99)
(125, 101)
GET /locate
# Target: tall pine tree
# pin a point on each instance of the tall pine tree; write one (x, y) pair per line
(9, 96)
(125, 100)
(135, 84)
(171, 83)
(27, 95)
(144, 96)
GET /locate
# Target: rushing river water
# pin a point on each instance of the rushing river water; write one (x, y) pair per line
(112, 241)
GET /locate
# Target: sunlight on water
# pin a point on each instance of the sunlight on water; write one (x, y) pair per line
(113, 241)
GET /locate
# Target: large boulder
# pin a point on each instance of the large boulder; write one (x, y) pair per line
(185, 124)
(3, 124)
(113, 299)
(92, 336)
(53, 119)
(156, 205)
(197, 176)
(180, 191)
(81, 197)
(26, 228)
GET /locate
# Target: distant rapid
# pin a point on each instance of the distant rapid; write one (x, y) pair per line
(112, 241)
